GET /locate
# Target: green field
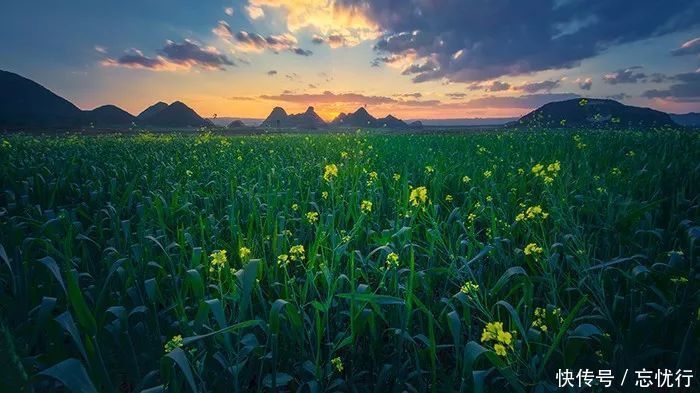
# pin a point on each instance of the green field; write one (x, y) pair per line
(353, 262)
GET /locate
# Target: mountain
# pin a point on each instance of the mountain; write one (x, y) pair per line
(151, 110)
(359, 118)
(391, 122)
(26, 103)
(109, 115)
(586, 112)
(176, 114)
(235, 124)
(362, 118)
(691, 119)
(416, 124)
(223, 121)
(468, 121)
(279, 118)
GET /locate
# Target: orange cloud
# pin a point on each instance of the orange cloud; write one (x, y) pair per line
(337, 24)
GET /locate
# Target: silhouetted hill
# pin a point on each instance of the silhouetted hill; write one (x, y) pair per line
(235, 124)
(391, 122)
(151, 110)
(359, 118)
(308, 120)
(176, 114)
(587, 112)
(362, 118)
(24, 102)
(691, 119)
(109, 115)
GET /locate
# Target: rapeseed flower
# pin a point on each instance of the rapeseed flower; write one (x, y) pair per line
(366, 207)
(418, 196)
(392, 260)
(175, 342)
(244, 253)
(330, 172)
(338, 364)
(312, 217)
(296, 253)
(218, 260)
(532, 249)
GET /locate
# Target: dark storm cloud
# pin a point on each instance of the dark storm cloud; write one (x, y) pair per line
(691, 47)
(191, 52)
(629, 75)
(476, 40)
(493, 86)
(686, 88)
(534, 87)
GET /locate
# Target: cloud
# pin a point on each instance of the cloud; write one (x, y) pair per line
(534, 87)
(529, 101)
(410, 95)
(477, 40)
(242, 98)
(191, 53)
(619, 96)
(272, 72)
(685, 89)
(228, 11)
(492, 87)
(174, 56)
(335, 40)
(337, 22)
(100, 49)
(629, 75)
(691, 47)
(253, 42)
(328, 97)
(254, 12)
(456, 96)
(584, 84)
(498, 86)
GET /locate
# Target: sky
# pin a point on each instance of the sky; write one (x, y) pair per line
(411, 58)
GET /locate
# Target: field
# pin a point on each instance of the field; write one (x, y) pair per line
(346, 262)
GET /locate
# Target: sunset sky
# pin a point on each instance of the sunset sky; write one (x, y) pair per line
(411, 58)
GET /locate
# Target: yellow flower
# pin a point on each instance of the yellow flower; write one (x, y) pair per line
(372, 178)
(324, 195)
(532, 248)
(343, 154)
(188, 173)
(616, 171)
(448, 198)
(470, 288)
(175, 342)
(366, 207)
(418, 196)
(282, 260)
(296, 253)
(679, 280)
(312, 217)
(500, 349)
(471, 217)
(537, 169)
(244, 253)
(466, 179)
(218, 260)
(329, 172)
(429, 169)
(392, 260)
(338, 364)
(520, 217)
(487, 174)
(295, 207)
(396, 177)
(489, 198)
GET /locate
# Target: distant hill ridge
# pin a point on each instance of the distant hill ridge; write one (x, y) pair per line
(279, 118)
(25, 103)
(593, 112)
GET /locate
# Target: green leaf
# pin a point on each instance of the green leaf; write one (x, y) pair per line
(72, 375)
